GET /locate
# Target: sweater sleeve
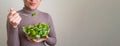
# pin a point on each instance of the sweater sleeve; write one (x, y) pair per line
(12, 35)
(51, 36)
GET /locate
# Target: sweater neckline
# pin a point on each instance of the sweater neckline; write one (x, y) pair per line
(29, 11)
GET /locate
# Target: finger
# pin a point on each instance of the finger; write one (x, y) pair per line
(11, 9)
(37, 40)
(14, 17)
(12, 12)
(18, 20)
(46, 37)
(13, 23)
(29, 39)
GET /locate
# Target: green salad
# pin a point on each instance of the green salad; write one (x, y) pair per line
(36, 31)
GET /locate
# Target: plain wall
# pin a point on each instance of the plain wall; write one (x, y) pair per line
(77, 22)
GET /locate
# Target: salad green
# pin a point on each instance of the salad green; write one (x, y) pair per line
(36, 31)
(33, 14)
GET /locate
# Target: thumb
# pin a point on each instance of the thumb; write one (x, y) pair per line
(11, 9)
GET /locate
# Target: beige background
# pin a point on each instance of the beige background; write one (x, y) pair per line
(77, 22)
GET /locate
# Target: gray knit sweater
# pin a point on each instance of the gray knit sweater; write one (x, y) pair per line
(16, 36)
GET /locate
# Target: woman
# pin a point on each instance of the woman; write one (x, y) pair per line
(16, 20)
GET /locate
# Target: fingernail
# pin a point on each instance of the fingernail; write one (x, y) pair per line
(11, 9)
